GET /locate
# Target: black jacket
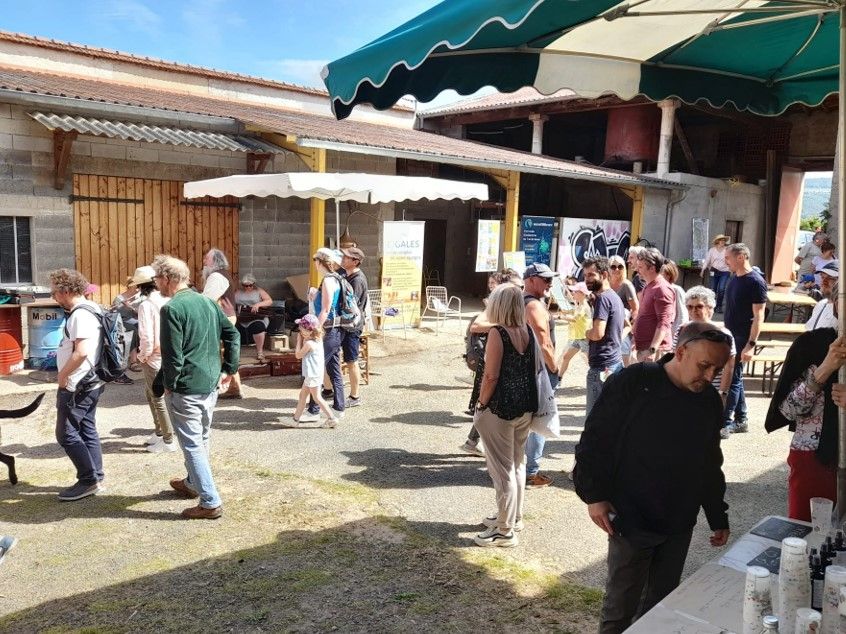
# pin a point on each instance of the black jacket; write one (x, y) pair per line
(652, 450)
(809, 348)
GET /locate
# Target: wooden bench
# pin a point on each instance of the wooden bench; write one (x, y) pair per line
(772, 361)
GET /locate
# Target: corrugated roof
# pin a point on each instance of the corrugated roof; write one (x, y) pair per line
(317, 129)
(498, 101)
(153, 133)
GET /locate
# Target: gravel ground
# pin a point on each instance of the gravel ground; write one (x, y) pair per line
(400, 446)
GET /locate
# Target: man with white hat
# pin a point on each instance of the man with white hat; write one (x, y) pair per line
(823, 314)
(150, 356)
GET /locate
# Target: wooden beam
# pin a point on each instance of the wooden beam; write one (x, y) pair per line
(685, 146)
(317, 231)
(512, 212)
(62, 144)
(257, 162)
(637, 215)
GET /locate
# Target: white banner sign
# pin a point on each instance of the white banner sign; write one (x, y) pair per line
(402, 264)
(514, 260)
(487, 246)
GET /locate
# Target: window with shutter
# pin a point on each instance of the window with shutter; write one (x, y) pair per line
(15, 250)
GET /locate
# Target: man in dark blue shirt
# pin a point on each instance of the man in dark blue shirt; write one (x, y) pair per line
(606, 333)
(745, 300)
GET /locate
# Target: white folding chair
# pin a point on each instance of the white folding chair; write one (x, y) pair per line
(438, 301)
(378, 310)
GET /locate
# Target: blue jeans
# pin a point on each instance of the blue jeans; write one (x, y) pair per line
(719, 281)
(736, 399)
(76, 432)
(535, 443)
(595, 383)
(191, 416)
(332, 358)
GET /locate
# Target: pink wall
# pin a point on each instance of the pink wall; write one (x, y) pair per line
(789, 210)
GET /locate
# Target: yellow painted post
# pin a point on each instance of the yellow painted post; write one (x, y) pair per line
(317, 231)
(637, 214)
(512, 208)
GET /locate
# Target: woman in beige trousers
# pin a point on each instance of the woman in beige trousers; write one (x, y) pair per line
(507, 399)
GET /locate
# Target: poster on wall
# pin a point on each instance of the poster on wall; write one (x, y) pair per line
(700, 242)
(582, 238)
(536, 237)
(514, 260)
(402, 266)
(487, 246)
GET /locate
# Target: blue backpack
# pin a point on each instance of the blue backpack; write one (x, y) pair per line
(347, 313)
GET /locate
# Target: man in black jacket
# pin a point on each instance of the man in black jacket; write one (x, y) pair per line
(648, 459)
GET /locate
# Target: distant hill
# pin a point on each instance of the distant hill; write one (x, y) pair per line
(816, 196)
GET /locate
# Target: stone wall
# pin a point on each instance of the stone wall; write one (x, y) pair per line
(716, 199)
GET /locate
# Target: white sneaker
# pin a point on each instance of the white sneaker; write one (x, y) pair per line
(330, 423)
(490, 522)
(162, 447)
(306, 417)
(152, 440)
(493, 538)
(337, 414)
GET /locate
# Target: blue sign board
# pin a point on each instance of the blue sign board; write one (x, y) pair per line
(536, 238)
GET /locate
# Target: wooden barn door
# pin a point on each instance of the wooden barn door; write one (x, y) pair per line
(123, 223)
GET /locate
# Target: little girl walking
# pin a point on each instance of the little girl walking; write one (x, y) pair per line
(310, 351)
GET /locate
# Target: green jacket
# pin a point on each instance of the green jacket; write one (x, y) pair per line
(192, 329)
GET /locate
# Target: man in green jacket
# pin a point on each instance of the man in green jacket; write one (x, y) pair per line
(192, 329)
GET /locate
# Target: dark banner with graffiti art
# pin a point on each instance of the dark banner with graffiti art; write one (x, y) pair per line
(536, 238)
(582, 238)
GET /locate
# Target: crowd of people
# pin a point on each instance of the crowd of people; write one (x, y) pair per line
(664, 385)
(186, 343)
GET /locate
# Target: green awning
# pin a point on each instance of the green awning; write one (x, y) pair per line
(756, 56)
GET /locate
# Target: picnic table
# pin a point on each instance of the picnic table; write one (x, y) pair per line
(793, 300)
(710, 601)
(776, 328)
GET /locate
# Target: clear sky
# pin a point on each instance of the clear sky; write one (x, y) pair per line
(288, 40)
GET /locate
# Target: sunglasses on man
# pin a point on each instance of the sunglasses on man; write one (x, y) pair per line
(713, 335)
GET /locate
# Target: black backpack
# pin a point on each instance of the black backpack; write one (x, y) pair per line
(474, 352)
(347, 315)
(113, 354)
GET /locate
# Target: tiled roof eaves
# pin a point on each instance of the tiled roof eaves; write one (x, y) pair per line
(160, 64)
(305, 126)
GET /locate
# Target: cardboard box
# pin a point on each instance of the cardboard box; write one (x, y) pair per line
(300, 285)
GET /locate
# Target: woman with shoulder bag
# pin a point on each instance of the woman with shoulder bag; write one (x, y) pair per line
(507, 400)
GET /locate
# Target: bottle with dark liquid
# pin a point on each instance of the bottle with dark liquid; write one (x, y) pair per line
(817, 583)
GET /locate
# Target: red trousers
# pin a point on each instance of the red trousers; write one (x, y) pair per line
(808, 478)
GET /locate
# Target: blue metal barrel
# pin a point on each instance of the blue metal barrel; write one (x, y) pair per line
(46, 325)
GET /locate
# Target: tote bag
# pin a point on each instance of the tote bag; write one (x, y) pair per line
(545, 420)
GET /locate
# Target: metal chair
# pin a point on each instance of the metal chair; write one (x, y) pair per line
(441, 303)
(378, 310)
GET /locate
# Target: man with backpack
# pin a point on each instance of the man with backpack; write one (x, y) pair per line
(351, 259)
(79, 386)
(648, 459)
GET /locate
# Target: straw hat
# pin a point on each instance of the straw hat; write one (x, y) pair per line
(721, 237)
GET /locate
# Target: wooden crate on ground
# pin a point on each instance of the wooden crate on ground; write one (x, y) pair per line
(284, 364)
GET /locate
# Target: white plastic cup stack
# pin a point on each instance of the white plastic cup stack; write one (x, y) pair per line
(757, 601)
(794, 584)
(807, 621)
(835, 579)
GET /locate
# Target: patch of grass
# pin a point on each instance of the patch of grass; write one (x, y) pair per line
(405, 597)
(305, 579)
(570, 597)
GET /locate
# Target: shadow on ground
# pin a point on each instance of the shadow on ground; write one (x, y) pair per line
(401, 469)
(371, 575)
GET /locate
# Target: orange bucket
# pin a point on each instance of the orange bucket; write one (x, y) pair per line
(11, 359)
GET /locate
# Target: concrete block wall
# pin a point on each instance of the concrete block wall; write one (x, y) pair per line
(716, 199)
